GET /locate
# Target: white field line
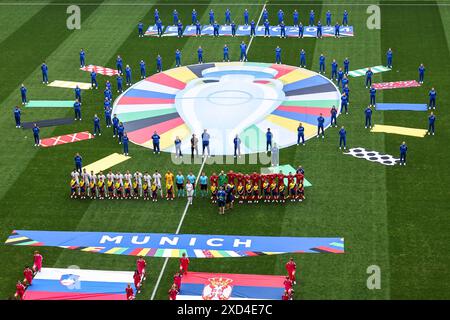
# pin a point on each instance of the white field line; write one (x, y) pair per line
(176, 232)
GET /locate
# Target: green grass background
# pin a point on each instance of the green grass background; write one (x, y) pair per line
(393, 217)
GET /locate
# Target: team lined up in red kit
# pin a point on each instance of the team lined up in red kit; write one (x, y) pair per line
(255, 186)
(28, 274)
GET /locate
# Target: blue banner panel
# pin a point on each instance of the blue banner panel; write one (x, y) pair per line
(161, 244)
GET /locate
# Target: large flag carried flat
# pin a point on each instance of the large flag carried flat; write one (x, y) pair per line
(77, 284)
(211, 286)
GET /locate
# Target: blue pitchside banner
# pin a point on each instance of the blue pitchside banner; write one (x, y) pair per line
(172, 245)
(242, 30)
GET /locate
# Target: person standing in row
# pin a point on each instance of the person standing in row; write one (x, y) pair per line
(23, 94)
(17, 115)
(368, 113)
(205, 143)
(194, 145)
(155, 139)
(37, 140)
(300, 134)
(178, 147)
(403, 150)
(431, 121)
(237, 146)
(342, 138)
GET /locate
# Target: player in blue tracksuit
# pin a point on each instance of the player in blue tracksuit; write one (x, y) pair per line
(403, 150)
(120, 131)
(346, 90)
(344, 81)
(269, 137)
(119, 64)
(252, 28)
(342, 138)
(389, 58)
(266, 28)
(125, 141)
(333, 113)
(300, 30)
(37, 140)
(108, 119)
(194, 16)
(211, 16)
(320, 123)
(200, 55)
(119, 83)
(369, 74)
(94, 83)
(175, 17)
(328, 18)
(334, 68)
(280, 16)
(340, 76)
(159, 27)
(345, 18)
(115, 125)
(155, 139)
(278, 55)
(17, 114)
(432, 94)
(337, 30)
(156, 15)
(344, 103)
(106, 102)
(140, 30)
(77, 110)
(128, 75)
(322, 63)
(265, 15)
(180, 29)
(226, 56)
(77, 93)
(368, 113)
(142, 69)
(300, 134)
(44, 70)
(282, 30)
(97, 125)
(431, 121)
(319, 30)
(158, 63)
(295, 17)
(82, 58)
(177, 58)
(108, 94)
(421, 73)
(302, 58)
(373, 93)
(227, 16)
(216, 28)
(311, 18)
(243, 47)
(23, 94)
(198, 29)
(78, 162)
(346, 65)
(233, 29)
(246, 17)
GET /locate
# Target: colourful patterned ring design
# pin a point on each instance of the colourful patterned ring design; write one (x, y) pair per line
(242, 98)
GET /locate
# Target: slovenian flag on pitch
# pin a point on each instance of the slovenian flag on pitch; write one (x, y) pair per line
(210, 286)
(77, 284)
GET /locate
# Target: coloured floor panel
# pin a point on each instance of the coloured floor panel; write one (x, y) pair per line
(106, 163)
(404, 131)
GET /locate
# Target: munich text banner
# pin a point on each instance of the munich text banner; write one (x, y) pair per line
(172, 245)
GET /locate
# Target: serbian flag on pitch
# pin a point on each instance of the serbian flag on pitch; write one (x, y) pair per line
(210, 286)
(77, 284)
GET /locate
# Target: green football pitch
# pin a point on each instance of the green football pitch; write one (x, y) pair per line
(394, 217)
